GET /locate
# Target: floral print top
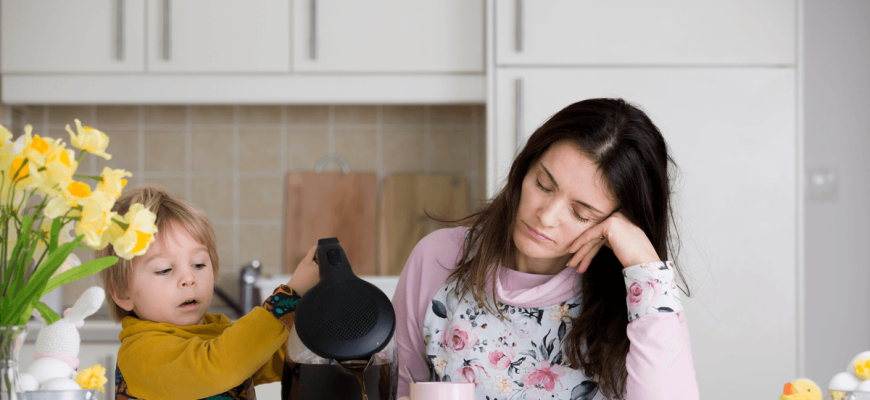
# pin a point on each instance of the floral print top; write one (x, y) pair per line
(516, 352)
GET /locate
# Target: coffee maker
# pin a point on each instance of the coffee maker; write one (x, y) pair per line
(342, 344)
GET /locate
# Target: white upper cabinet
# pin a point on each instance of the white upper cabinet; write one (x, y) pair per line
(633, 32)
(222, 36)
(388, 36)
(44, 36)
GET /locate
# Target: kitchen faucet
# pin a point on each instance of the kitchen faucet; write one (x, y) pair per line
(248, 294)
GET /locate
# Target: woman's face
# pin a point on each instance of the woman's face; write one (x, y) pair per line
(563, 195)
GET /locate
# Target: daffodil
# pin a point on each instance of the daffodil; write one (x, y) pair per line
(92, 378)
(95, 219)
(36, 148)
(23, 173)
(137, 234)
(60, 165)
(112, 181)
(90, 140)
(70, 197)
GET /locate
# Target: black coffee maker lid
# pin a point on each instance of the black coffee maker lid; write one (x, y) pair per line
(343, 317)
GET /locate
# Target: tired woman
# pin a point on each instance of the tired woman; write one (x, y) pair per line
(561, 287)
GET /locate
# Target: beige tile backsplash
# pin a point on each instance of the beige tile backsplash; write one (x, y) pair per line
(231, 160)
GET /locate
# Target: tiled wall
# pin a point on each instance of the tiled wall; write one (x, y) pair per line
(231, 160)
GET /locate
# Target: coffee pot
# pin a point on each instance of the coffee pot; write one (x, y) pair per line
(342, 344)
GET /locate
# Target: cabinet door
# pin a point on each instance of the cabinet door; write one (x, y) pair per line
(218, 36)
(72, 36)
(388, 36)
(663, 32)
(732, 134)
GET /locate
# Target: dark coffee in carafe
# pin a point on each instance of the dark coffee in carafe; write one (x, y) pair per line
(344, 380)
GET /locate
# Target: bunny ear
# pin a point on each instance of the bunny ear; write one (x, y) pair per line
(87, 304)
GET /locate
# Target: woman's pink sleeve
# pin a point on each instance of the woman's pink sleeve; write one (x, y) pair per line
(659, 360)
(427, 269)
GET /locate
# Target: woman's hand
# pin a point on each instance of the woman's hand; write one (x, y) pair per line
(307, 273)
(628, 242)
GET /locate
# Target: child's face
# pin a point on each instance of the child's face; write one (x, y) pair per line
(172, 282)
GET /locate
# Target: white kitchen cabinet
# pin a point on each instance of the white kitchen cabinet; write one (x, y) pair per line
(43, 36)
(388, 36)
(632, 32)
(218, 36)
(733, 136)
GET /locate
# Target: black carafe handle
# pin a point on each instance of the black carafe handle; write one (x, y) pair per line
(333, 263)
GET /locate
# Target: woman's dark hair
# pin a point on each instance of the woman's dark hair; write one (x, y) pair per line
(632, 156)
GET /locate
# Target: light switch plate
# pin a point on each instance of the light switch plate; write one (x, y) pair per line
(822, 184)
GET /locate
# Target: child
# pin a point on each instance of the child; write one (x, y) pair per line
(170, 347)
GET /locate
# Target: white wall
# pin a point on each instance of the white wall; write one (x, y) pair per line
(837, 135)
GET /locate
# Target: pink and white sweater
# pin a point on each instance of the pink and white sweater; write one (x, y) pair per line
(518, 354)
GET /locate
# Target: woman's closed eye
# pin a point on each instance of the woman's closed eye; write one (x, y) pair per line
(573, 211)
(541, 186)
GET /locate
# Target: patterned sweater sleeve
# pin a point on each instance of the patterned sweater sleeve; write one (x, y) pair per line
(659, 360)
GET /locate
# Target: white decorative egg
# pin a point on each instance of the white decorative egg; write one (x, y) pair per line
(60, 384)
(47, 368)
(845, 381)
(28, 382)
(863, 386)
(851, 367)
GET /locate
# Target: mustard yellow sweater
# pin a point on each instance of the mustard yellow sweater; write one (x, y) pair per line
(165, 361)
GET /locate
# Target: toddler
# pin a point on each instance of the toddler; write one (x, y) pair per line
(171, 348)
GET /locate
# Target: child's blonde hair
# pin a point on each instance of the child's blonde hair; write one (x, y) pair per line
(168, 209)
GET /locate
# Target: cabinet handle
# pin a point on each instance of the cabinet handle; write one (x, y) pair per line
(518, 114)
(312, 34)
(167, 39)
(119, 46)
(519, 25)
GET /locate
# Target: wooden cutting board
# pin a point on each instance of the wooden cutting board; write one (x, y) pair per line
(322, 205)
(402, 221)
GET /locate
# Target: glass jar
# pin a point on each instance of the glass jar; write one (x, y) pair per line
(11, 339)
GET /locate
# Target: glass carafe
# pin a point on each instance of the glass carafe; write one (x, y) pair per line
(308, 376)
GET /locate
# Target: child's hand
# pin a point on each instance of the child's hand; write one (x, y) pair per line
(307, 273)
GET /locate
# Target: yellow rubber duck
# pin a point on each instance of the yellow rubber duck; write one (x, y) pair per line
(801, 389)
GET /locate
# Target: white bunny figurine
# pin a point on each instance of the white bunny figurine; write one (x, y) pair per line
(57, 345)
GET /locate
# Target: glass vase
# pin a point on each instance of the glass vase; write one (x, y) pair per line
(11, 339)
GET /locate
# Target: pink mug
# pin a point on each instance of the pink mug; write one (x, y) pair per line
(442, 391)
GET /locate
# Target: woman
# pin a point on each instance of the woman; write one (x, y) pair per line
(561, 286)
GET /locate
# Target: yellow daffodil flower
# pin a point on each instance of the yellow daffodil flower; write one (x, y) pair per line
(112, 181)
(23, 173)
(70, 197)
(92, 378)
(95, 218)
(139, 234)
(60, 165)
(90, 140)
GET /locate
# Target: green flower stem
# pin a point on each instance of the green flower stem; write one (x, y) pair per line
(96, 178)
(81, 156)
